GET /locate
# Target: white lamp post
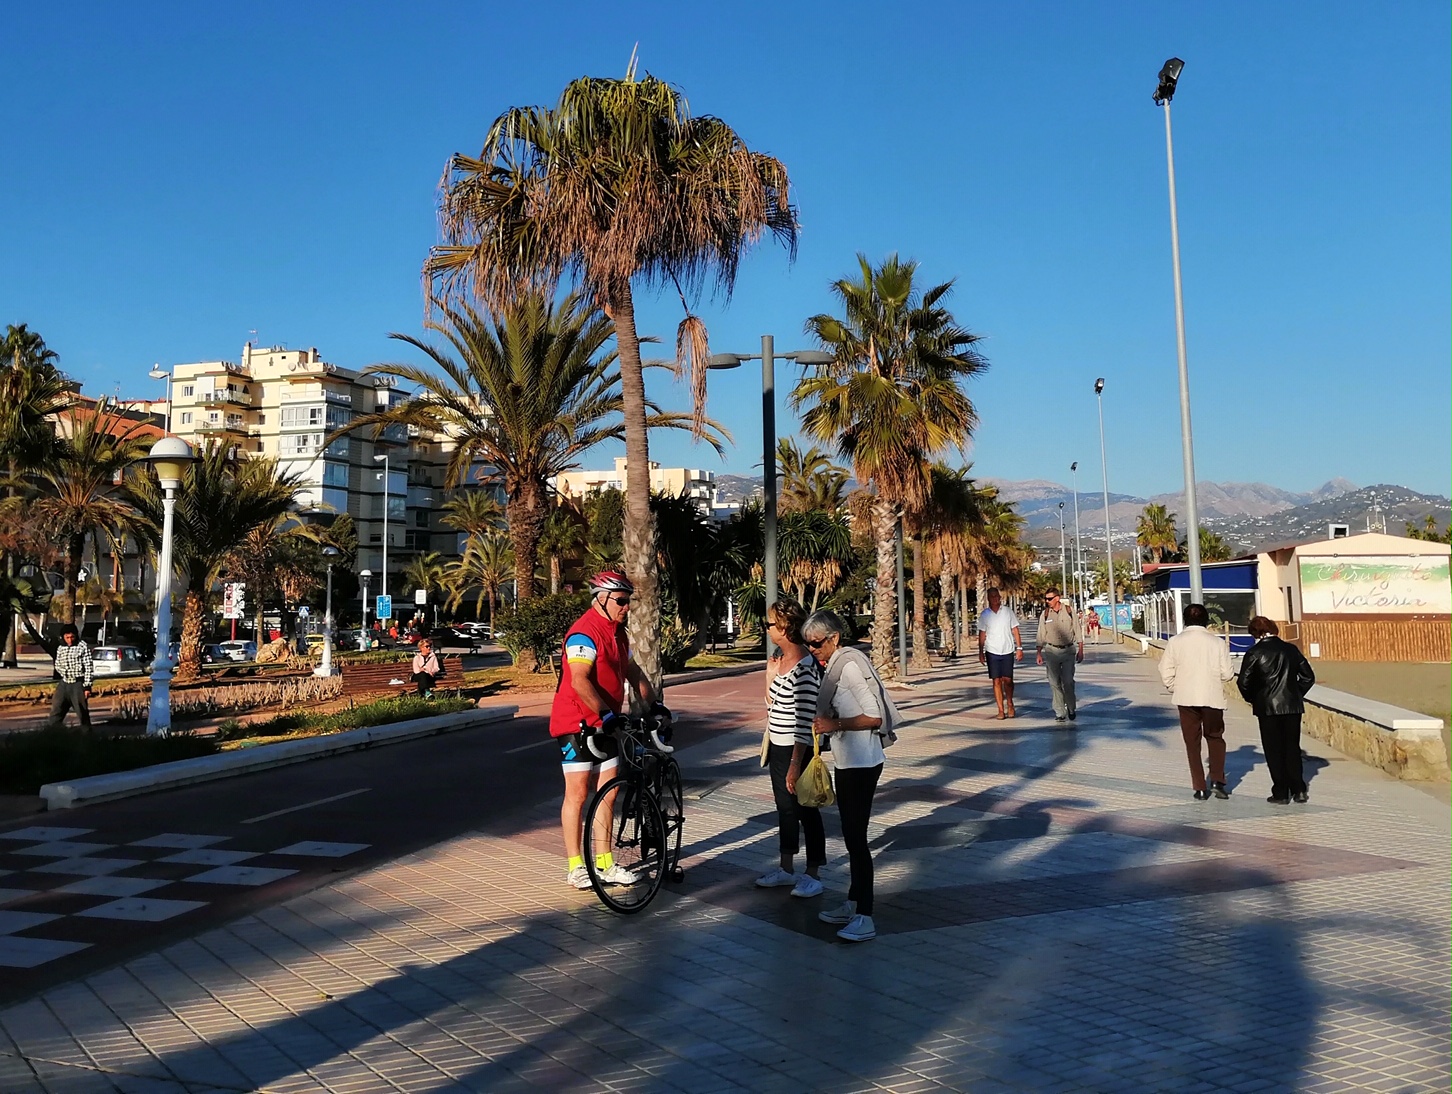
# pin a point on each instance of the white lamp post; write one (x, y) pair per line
(169, 458)
(1078, 543)
(325, 666)
(383, 457)
(363, 633)
(1108, 542)
(159, 373)
(768, 357)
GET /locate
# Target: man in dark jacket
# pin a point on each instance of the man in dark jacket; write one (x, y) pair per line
(1274, 679)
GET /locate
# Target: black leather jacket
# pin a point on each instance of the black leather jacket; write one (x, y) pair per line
(1274, 677)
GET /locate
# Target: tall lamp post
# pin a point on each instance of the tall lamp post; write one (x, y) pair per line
(1078, 543)
(383, 457)
(767, 357)
(169, 458)
(159, 373)
(1164, 92)
(1063, 567)
(364, 577)
(1108, 542)
(325, 666)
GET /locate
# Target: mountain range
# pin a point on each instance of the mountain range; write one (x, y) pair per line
(1248, 515)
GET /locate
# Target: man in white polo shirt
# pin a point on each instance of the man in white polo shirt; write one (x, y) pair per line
(999, 646)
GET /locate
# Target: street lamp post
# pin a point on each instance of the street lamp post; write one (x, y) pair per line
(325, 666)
(159, 373)
(384, 457)
(169, 458)
(363, 632)
(1108, 542)
(1078, 543)
(768, 357)
(1063, 568)
(1164, 92)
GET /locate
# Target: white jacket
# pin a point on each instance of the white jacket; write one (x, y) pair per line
(1195, 666)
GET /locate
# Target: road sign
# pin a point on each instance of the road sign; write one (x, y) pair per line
(303, 612)
(383, 606)
(420, 596)
(233, 600)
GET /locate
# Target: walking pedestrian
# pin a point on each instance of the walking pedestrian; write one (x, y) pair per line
(75, 667)
(1061, 647)
(1274, 678)
(999, 645)
(854, 711)
(1194, 667)
(792, 679)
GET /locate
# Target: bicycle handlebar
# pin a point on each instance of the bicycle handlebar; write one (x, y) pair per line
(650, 725)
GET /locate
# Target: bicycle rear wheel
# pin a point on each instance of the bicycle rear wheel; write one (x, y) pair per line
(632, 836)
(673, 813)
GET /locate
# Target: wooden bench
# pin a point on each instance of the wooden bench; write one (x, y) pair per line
(377, 678)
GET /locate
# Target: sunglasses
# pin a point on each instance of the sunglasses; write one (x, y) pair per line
(623, 601)
(819, 643)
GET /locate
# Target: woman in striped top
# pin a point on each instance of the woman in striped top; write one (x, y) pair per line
(792, 679)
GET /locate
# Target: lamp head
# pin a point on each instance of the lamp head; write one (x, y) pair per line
(1099, 386)
(1074, 466)
(1061, 505)
(723, 361)
(1169, 77)
(158, 373)
(379, 457)
(811, 357)
(169, 458)
(365, 574)
(331, 552)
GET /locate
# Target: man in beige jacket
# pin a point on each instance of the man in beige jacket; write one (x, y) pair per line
(1195, 667)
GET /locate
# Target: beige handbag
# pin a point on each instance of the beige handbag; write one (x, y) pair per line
(765, 744)
(814, 784)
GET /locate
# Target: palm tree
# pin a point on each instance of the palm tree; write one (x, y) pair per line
(1155, 532)
(220, 502)
(617, 183)
(952, 519)
(816, 553)
(473, 510)
(80, 492)
(426, 571)
(563, 537)
(1213, 547)
(891, 402)
(525, 394)
(486, 565)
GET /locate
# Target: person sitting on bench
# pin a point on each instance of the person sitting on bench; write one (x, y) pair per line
(426, 668)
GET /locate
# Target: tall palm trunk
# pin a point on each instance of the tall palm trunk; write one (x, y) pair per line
(945, 614)
(639, 537)
(921, 662)
(554, 572)
(10, 657)
(189, 654)
(63, 604)
(884, 599)
(526, 514)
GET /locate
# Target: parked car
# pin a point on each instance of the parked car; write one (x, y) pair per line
(239, 650)
(482, 631)
(116, 660)
(454, 637)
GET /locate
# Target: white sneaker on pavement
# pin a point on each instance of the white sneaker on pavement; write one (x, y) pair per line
(618, 875)
(843, 913)
(860, 929)
(579, 877)
(776, 878)
(807, 886)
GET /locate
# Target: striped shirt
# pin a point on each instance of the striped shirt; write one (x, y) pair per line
(73, 663)
(792, 699)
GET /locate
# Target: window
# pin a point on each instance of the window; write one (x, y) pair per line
(189, 389)
(338, 417)
(339, 448)
(335, 474)
(186, 417)
(421, 518)
(302, 417)
(300, 444)
(336, 500)
(396, 510)
(261, 418)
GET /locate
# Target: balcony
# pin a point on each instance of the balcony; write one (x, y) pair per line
(231, 424)
(341, 398)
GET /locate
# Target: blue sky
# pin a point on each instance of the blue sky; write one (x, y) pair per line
(178, 176)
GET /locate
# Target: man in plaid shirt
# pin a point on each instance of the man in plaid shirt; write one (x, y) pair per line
(74, 667)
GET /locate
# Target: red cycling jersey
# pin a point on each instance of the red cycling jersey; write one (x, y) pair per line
(591, 641)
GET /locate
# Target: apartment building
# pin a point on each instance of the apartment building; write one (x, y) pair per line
(696, 484)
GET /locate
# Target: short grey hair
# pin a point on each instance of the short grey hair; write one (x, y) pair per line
(822, 623)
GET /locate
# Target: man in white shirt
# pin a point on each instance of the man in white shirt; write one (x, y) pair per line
(1194, 667)
(999, 646)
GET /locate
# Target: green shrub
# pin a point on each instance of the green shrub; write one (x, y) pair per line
(538, 625)
(377, 713)
(229, 728)
(29, 760)
(677, 641)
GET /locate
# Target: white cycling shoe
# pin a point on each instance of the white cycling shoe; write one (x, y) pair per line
(618, 875)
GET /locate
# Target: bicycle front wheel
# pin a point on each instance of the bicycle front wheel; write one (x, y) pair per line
(624, 822)
(673, 812)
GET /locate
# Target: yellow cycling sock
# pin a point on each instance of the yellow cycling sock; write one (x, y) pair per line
(575, 861)
(605, 861)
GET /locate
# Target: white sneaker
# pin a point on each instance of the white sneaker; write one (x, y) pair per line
(776, 879)
(860, 929)
(806, 886)
(618, 875)
(844, 913)
(579, 877)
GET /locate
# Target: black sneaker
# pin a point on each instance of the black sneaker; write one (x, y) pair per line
(1300, 797)
(1278, 801)
(1220, 791)
(1073, 715)
(1202, 795)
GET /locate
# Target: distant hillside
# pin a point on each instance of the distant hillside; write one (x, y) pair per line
(1398, 508)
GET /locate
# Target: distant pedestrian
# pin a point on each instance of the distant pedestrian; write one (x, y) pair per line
(426, 669)
(999, 645)
(1194, 667)
(1274, 679)
(792, 678)
(854, 710)
(1061, 647)
(75, 667)
(1091, 621)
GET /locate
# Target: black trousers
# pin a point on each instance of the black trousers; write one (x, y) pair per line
(425, 682)
(68, 697)
(792, 817)
(856, 787)
(1280, 739)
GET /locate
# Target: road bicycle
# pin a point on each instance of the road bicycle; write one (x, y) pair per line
(636, 817)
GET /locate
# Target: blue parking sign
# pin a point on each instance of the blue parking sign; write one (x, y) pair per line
(383, 606)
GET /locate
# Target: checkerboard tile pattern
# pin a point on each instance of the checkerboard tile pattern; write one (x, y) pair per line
(63, 890)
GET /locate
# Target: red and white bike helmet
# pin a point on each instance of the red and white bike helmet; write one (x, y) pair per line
(611, 581)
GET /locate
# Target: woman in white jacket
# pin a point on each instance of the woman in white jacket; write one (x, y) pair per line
(1194, 667)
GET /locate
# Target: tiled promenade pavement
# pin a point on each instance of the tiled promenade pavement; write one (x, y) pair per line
(1055, 912)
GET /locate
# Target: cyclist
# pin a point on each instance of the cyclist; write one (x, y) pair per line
(596, 669)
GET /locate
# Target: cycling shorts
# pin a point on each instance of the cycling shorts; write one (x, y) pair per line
(574, 756)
